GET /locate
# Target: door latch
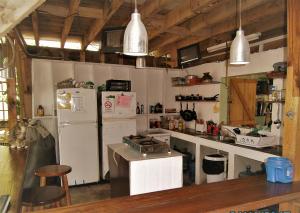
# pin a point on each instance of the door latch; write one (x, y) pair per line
(290, 115)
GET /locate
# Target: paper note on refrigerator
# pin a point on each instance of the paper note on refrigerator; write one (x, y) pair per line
(77, 104)
(124, 101)
(64, 101)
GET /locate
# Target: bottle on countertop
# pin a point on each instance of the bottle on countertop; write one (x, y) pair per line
(181, 124)
(138, 111)
(171, 124)
(142, 109)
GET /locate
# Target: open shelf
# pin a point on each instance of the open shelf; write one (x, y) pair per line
(262, 101)
(197, 101)
(157, 114)
(202, 83)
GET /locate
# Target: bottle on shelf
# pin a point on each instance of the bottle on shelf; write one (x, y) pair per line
(142, 109)
(138, 111)
(40, 111)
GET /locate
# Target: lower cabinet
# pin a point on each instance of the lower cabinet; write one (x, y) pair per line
(133, 177)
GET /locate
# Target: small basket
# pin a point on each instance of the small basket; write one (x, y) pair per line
(257, 142)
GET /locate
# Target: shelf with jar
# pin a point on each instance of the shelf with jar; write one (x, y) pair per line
(193, 80)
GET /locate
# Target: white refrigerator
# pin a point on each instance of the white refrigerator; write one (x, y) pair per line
(117, 119)
(78, 134)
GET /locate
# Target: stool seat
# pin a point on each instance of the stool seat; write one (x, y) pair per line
(53, 170)
(39, 196)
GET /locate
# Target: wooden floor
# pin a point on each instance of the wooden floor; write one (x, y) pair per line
(88, 193)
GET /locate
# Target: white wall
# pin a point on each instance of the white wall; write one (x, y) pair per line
(147, 83)
(151, 84)
(260, 62)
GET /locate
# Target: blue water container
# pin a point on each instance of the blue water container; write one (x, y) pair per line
(279, 169)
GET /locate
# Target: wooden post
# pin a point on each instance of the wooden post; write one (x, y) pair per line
(291, 135)
(12, 102)
(101, 56)
(174, 58)
(82, 56)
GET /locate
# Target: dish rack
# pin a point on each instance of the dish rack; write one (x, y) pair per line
(256, 142)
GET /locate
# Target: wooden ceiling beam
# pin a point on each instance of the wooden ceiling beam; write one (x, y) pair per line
(60, 11)
(73, 8)
(251, 15)
(35, 27)
(260, 25)
(150, 8)
(184, 12)
(202, 23)
(98, 24)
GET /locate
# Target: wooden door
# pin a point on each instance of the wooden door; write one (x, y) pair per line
(242, 102)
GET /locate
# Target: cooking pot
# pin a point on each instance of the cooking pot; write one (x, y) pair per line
(191, 79)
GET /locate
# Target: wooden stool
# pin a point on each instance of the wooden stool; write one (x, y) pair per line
(56, 171)
(41, 196)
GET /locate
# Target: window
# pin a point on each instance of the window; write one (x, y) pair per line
(188, 54)
(3, 100)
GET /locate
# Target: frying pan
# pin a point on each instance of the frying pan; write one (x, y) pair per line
(187, 114)
(194, 112)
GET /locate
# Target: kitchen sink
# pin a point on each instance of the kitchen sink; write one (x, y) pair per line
(226, 139)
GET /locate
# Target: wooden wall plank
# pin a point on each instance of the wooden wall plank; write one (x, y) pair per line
(73, 8)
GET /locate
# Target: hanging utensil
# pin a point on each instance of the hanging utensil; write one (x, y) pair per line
(278, 121)
(181, 111)
(187, 114)
(194, 112)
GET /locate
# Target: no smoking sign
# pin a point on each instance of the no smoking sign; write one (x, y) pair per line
(108, 104)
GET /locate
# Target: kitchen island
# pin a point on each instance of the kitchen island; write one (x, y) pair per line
(237, 154)
(132, 172)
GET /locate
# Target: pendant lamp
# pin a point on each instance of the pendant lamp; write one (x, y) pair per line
(240, 49)
(140, 62)
(135, 36)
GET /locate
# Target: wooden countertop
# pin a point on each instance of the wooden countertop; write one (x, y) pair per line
(239, 194)
(12, 167)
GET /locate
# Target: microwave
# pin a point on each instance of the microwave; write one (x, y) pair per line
(118, 85)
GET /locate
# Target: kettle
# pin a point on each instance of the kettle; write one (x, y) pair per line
(158, 108)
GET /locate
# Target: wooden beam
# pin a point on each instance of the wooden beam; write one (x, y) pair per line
(252, 11)
(291, 145)
(184, 12)
(150, 8)
(82, 56)
(60, 11)
(12, 102)
(258, 18)
(202, 24)
(73, 7)
(294, 42)
(35, 27)
(99, 23)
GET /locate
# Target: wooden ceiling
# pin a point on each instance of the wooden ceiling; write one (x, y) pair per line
(171, 24)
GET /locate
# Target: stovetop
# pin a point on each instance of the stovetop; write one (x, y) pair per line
(145, 144)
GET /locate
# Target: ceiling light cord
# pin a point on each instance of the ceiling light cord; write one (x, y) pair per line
(240, 2)
(135, 6)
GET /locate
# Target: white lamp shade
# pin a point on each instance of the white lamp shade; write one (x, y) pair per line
(135, 37)
(240, 49)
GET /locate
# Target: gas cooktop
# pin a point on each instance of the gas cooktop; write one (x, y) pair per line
(145, 144)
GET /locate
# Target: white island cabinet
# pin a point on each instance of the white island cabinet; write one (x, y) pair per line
(131, 173)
